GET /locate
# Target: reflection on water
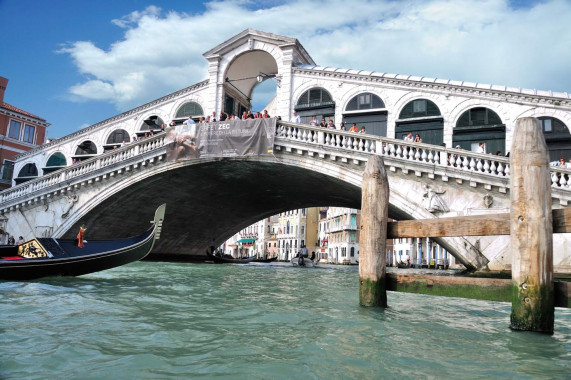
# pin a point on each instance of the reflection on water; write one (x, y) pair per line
(159, 320)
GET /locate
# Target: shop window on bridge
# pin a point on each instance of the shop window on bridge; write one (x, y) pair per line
(316, 101)
(421, 117)
(557, 137)
(55, 162)
(7, 170)
(85, 150)
(478, 125)
(116, 139)
(28, 172)
(153, 123)
(189, 109)
(367, 110)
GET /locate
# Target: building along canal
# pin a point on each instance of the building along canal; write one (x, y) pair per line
(157, 320)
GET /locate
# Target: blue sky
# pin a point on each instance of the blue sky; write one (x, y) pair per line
(76, 63)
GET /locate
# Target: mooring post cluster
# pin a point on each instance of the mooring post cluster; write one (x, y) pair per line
(531, 231)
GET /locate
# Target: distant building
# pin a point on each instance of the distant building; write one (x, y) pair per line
(20, 131)
(343, 242)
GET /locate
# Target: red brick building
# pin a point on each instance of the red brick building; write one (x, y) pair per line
(20, 131)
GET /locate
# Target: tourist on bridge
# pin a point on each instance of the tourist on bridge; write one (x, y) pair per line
(408, 137)
(354, 128)
(314, 121)
(362, 130)
(189, 121)
(296, 118)
(330, 124)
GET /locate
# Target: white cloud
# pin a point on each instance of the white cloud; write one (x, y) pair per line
(478, 41)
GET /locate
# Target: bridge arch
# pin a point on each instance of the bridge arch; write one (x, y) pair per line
(242, 72)
(423, 117)
(366, 109)
(27, 172)
(84, 150)
(324, 104)
(55, 161)
(247, 186)
(115, 138)
(468, 135)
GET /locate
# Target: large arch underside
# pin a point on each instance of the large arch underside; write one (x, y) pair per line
(212, 200)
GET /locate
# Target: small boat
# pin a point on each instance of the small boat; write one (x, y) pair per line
(260, 260)
(227, 260)
(297, 261)
(45, 257)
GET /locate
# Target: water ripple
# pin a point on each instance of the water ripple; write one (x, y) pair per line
(167, 320)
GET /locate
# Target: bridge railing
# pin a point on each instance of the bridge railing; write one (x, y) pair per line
(77, 170)
(415, 153)
(407, 152)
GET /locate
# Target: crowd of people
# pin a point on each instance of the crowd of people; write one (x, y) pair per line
(329, 124)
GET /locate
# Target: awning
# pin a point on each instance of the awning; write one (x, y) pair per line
(246, 241)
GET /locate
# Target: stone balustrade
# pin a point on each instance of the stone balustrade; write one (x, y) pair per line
(486, 169)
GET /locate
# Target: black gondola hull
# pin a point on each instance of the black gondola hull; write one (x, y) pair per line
(70, 260)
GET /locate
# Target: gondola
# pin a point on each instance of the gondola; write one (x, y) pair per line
(225, 260)
(266, 260)
(45, 257)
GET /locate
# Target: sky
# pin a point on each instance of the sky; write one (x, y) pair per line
(76, 63)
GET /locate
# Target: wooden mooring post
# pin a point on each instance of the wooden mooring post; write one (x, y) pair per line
(531, 230)
(374, 217)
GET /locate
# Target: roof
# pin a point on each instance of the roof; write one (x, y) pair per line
(480, 86)
(16, 109)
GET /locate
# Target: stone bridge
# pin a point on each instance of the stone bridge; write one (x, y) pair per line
(115, 194)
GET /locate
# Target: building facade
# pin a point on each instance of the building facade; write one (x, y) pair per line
(20, 131)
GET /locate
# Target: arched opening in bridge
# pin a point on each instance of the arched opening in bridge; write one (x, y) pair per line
(55, 162)
(192, 109)
(318, 102)
(85, 150)
(153, 123)
(244, 73)
(367, 110)
(115, 139)
(28, 172)
(480, 125)
(557, 137)
(422, 117)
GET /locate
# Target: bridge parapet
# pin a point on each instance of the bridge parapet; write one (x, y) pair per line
(475, 168)
(87, 171)
(430, 161)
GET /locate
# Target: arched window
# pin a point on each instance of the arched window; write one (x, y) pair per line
(316, 101)
(28, 172)
(115, 139)
(152, 123)
(419, 108)
(55, 162)
(479, 116)
(421, 117)
(364, 101)
(557, 137)
(480, 125)
(314, 97)
(189, 109)
(85, 150)
(366, 110)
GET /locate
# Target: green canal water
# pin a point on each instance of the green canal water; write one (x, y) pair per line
(152, 320)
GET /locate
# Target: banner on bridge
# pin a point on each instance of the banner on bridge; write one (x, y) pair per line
(232, 138)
